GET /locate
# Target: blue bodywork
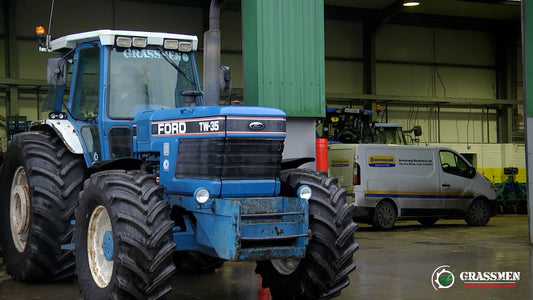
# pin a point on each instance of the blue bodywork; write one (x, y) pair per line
(234, 152)
(244, 219)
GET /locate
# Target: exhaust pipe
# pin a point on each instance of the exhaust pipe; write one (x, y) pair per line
(211, 69)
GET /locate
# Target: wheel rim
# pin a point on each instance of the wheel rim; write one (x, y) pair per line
(386, 216)
(285, 266)
(20, 209)
(100, 246)
(479, 212)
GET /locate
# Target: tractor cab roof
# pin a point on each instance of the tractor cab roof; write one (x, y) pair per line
(112, 37)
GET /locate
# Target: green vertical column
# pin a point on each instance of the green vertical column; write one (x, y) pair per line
(527, 53)
(283, 52)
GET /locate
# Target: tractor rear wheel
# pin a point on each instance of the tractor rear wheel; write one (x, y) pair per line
(123, 237)
(40, 181)
(324, 271)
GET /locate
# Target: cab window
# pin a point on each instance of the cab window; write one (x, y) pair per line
(85, 102)
(454, 164)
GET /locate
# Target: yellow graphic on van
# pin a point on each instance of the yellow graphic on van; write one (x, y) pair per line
(386, 161)
(340, 162)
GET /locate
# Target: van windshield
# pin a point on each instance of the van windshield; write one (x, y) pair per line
(141, 79)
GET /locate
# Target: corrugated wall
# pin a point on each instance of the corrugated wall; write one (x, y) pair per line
(283, 48)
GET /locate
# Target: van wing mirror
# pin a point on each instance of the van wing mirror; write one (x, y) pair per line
(417, 130)
(471, 172)
(56, 71)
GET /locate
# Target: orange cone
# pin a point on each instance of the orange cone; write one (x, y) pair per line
(262, 294)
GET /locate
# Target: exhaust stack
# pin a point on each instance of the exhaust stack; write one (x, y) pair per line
(211, 70)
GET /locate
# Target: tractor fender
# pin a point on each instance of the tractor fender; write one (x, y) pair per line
(65, 130)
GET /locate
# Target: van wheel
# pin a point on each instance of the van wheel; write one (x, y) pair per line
(479, 214)
(428, 221)
(384, 216)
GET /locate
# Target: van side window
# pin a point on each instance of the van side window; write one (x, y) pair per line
(453, 164)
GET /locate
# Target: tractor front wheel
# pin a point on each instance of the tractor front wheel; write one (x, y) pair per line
(123, 237)
(324, 271)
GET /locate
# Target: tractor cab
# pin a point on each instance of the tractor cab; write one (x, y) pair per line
(116, 74)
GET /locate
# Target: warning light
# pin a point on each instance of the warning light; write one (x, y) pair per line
(378, 107)
(39, 30)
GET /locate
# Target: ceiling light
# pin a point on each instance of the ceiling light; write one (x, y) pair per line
(411, 3)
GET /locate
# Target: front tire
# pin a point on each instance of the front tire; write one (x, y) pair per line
(479, 214)
(123, 237)
(324, 271)
(40, 180)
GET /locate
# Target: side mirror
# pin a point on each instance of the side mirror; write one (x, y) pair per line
(56, 71)
(225, 78)
(190, 97)
(417, 130)
(471, 172)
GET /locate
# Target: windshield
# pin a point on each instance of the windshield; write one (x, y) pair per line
(141, 79)
(390, 135)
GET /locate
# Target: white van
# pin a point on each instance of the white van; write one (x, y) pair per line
(387, 183)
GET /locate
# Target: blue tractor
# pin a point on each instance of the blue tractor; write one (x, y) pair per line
(133, 176)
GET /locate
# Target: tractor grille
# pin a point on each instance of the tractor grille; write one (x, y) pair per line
(229, 159)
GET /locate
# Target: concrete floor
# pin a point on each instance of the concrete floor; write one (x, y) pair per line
(391, 265)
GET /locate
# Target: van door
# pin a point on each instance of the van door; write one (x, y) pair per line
(455, 183)
(407, 175)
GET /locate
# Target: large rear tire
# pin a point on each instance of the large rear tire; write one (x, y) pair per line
(123, 237)
(324, 271)
(40, 181)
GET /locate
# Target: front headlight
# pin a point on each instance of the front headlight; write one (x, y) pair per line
(201, 195)
(304, 192)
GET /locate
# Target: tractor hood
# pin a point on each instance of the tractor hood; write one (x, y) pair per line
(198, 121)
(232, 151)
